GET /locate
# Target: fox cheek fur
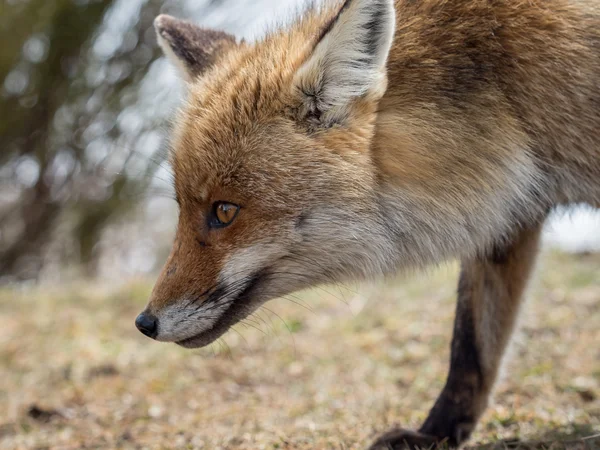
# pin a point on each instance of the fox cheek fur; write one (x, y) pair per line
(375, 135)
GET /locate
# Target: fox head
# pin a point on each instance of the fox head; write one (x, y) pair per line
(272, 166)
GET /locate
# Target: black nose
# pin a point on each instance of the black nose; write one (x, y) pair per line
(147, 324)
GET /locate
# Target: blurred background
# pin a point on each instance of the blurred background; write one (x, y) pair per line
(86, 211)
(85, 103)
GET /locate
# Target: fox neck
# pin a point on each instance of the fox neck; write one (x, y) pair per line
(452, 187)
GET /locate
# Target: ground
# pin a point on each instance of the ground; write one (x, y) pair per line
(327, 369)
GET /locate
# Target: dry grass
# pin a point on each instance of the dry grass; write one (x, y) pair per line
(74, 372)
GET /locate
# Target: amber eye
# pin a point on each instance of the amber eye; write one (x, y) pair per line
(223, 214)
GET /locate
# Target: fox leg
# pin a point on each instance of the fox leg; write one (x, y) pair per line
(489, 295)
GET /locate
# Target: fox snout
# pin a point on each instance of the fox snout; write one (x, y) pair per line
(197, 320)
(198, 298)
(189, 296)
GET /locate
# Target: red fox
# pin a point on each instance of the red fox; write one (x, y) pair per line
(372, 136)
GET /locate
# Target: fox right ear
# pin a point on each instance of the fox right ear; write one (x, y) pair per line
(190, 47)
(348, 61)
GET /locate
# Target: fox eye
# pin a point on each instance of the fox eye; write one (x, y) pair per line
(223, 214)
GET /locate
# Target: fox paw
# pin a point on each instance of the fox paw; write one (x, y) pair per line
(401, 439)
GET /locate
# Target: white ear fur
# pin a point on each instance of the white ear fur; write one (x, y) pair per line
(350, 59)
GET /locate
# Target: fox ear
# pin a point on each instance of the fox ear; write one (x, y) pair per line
(348, 61)
(190, 47)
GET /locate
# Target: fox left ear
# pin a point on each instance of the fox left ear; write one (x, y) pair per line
(348, 61)
(190, 47)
